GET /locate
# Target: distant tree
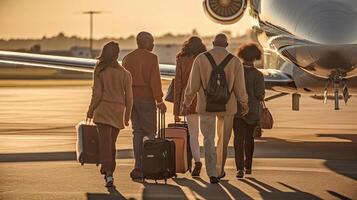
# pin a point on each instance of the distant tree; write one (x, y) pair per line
(195, 32)
(131, 37)
(74, 37)
(60, 35)
(168, 35)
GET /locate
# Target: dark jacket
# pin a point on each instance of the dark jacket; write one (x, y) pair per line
(255, 86)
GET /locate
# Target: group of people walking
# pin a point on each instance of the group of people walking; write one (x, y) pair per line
(133, 91)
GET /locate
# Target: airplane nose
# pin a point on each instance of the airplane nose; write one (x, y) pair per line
(330, 23)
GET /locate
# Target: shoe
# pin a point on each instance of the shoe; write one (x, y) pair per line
(240, 174)
(222, 175)
(197, 170)
(248, 171)
(136, 174)
(109, 181)
(213, 180)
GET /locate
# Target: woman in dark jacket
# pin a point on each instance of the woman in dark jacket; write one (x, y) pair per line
(184, 61)
(244, 126)
(110, 106)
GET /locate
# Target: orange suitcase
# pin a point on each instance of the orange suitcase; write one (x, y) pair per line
(181, 138)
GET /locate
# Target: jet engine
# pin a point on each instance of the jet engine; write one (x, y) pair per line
(225, 11)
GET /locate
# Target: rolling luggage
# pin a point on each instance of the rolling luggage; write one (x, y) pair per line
(87, 144)
(158, 159)
(178, 132)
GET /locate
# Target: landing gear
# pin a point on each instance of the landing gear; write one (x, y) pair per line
(336, 78)
(336, 86)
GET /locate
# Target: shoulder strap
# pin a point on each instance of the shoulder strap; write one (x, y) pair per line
(211, 60)
(222, 65)
(226, 60)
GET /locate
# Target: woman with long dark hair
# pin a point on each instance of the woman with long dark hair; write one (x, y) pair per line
(184, 60)
(244, 126)
(110, 106)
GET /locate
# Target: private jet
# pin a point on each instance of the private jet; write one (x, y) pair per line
(315, 39)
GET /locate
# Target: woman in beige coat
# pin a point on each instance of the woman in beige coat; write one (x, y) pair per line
(110, 106)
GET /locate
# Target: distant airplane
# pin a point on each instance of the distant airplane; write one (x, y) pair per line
(316, 39)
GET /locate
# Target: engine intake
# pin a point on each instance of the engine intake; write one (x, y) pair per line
(225, 11)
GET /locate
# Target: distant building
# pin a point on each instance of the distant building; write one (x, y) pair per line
(167, 52)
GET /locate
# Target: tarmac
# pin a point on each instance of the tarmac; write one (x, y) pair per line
(310, 154)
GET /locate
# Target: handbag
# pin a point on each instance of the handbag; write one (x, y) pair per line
(266, 119)
(170, 92)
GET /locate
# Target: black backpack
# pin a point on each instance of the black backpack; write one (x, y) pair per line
(217, 92)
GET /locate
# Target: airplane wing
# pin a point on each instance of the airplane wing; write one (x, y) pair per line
(47, 61)
(66, 63)
(272, 77)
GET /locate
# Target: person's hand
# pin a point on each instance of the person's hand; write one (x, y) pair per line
(245, 109)
(89, 115)
(162, 107)
(126, 122)
(177, 118)
(89, 120)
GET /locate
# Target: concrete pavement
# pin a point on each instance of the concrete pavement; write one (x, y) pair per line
(309, 154)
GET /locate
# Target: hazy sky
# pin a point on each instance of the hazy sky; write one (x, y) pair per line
(35, 18)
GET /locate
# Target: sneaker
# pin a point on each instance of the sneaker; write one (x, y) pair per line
(136, 174)
(213, 180)
(222, 175)
(197, 170)
(240, 174)
(109, 181)
(248, 171)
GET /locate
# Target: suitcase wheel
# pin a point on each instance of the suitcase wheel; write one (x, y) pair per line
(97, 164)
(82, 163)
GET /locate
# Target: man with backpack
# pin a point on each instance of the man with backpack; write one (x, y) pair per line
(218, 78)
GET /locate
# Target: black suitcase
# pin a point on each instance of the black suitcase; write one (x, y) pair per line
(87, 144)
(158, 159)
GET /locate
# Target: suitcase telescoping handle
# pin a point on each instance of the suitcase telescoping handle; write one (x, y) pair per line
(161, 124)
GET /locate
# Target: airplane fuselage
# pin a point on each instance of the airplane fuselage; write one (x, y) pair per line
(318, 38)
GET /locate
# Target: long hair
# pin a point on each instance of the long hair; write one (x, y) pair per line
(109, 55)
(192, 47)
(249, 52)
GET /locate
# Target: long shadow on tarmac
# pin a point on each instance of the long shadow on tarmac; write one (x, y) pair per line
(114, 194)
(201, 189)
(153, 191)
(268, 192)
(340, 156)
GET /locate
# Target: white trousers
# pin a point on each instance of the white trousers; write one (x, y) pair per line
(216, 157)
(193, 128)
